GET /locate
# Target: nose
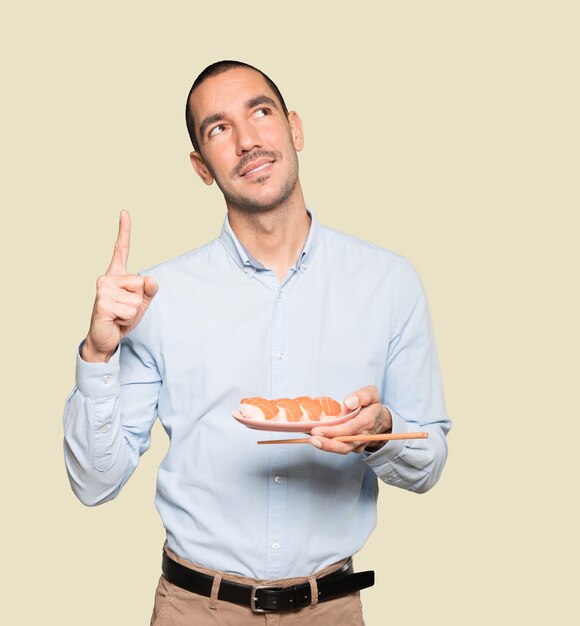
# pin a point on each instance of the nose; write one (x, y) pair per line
(247, 138)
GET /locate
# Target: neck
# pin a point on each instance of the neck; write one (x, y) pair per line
(275, 236)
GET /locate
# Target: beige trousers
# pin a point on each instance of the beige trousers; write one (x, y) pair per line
(178, 607)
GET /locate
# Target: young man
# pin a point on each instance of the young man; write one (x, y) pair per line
(277, 306)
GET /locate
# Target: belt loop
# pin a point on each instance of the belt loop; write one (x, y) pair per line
(215, 588)
(313, 592)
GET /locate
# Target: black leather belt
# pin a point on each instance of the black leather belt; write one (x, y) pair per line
(263, 598)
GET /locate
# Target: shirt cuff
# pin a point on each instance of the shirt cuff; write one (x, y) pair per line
(393, 448)
(98, 380)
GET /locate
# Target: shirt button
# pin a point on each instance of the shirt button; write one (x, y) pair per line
(280, 295)
(107, 379)
(104, 429)
(280, 356)
(278, 479)
(275, 546)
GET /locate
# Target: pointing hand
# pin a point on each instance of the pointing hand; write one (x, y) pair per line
(121, 301)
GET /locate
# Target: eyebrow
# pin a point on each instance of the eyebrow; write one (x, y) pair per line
(254, 102)
(248, 104)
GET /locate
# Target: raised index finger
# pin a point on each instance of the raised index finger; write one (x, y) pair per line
(118, 264)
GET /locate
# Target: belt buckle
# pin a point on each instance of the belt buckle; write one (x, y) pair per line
(254, 598)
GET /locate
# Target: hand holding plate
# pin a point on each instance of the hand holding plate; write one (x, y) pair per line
(373, 418)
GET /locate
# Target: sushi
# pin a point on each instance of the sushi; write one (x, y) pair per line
(301, 409)
(290, 410)
(330, 407)
(312, 409)
(258, 409)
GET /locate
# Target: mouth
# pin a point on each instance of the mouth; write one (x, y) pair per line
(256, 167)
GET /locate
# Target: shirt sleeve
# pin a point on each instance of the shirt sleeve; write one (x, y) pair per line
(108, 419)
(412, 391)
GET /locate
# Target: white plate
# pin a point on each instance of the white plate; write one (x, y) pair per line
(292, 427)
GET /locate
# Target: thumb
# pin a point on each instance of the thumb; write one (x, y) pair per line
(352, 402)
(150, 289)
(362, 397)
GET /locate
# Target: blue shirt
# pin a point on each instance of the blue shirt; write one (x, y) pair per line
(224, 327)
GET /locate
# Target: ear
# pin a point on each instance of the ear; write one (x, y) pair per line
(296, 130)
(200, 167)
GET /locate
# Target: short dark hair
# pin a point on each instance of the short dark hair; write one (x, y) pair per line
(218, 68)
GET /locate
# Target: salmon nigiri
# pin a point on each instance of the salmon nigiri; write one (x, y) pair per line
(330, 407)
(258, 409)
(290, 410)
(312, 409)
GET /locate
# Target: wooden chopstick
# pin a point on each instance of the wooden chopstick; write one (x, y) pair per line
(361, 438)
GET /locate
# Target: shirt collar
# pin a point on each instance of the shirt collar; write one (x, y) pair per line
(245, 260)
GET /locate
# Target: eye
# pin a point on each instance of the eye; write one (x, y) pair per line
(216, 130)
(262, 112)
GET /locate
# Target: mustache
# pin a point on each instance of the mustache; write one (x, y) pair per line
(252, 156)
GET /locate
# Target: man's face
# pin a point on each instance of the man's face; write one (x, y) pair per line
(246, 142)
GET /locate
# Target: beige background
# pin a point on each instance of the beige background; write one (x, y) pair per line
(447, 131)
